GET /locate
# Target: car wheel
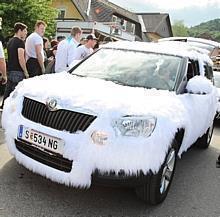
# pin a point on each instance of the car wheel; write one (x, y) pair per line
(205, 140)
(155, 190)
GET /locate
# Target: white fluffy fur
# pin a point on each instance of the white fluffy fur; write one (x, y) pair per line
(194, 113)
(106, 100)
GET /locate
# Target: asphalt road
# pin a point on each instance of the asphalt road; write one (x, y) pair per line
(195, 191)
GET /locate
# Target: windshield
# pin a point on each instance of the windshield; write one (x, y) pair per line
(217, 79)
(132, 68)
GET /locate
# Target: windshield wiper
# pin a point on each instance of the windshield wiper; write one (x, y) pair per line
(78, 75)
(114, 81)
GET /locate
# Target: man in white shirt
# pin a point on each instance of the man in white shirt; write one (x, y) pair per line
(2, 65)
(34, 50)
(85, 50)
(66, 49)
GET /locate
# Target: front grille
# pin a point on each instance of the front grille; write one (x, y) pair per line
(61, 119)
(53, 160)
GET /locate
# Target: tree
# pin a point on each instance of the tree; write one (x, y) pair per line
(27, 12)
(179, 29)
(208, 30)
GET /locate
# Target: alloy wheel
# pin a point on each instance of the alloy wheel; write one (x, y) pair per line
(168, 171)
(209, 137)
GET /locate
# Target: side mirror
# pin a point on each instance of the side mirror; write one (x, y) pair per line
(199, 85)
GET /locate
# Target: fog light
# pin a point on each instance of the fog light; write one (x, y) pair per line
(99, 138)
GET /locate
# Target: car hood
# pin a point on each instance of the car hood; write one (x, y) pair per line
(98, 96)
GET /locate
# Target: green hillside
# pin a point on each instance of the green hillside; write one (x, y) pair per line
(208, 30)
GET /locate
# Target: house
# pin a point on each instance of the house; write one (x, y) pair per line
(67, 10)
(155, 25)
(109, 21)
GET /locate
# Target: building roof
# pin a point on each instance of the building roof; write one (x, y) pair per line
(108, 8)
(82, 7)
(156, 22)
(102, 10)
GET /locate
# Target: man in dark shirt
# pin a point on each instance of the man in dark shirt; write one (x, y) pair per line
(17, 70)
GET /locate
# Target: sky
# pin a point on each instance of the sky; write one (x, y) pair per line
(191, 12)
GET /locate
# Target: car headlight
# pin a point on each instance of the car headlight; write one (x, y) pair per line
(135, 126)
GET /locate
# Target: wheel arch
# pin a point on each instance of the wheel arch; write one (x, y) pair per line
(179, 138)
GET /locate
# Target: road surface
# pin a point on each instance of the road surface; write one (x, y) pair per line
(195, 191)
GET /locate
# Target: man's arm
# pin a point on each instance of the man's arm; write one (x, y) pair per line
(3, 65)
(22, 62)
(40, 58)
(3, 70)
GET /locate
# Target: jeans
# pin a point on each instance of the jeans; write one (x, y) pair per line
(13, 78)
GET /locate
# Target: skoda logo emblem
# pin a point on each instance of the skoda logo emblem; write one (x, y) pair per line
(51, 104)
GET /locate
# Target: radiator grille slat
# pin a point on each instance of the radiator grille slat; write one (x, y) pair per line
(49, 119)
(61, 119)
(66, 117)
(89, 120)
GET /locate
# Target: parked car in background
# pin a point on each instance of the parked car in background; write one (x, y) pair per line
(217, 84)
(212, 47)
(120, 117)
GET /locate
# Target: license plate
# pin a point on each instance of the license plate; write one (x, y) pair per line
(40, 139)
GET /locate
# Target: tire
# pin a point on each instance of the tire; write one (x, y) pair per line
(155, 190)
(218, 162)
(204, 141)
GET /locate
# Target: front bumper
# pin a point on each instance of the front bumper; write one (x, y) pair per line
(98, 178)
(55, 161)
(81, 157)
(121, 179)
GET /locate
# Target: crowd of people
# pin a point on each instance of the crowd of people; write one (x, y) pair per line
(36, 55)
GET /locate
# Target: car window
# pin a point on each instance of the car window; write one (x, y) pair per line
(196, 67)
(208, 72)
(132, 68)
(193, 69)
(190, 71)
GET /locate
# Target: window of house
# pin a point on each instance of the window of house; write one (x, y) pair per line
(120, 21)
(133, 28)
(61, 13)
(123, 24)
(114, 18)
(115, 31)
